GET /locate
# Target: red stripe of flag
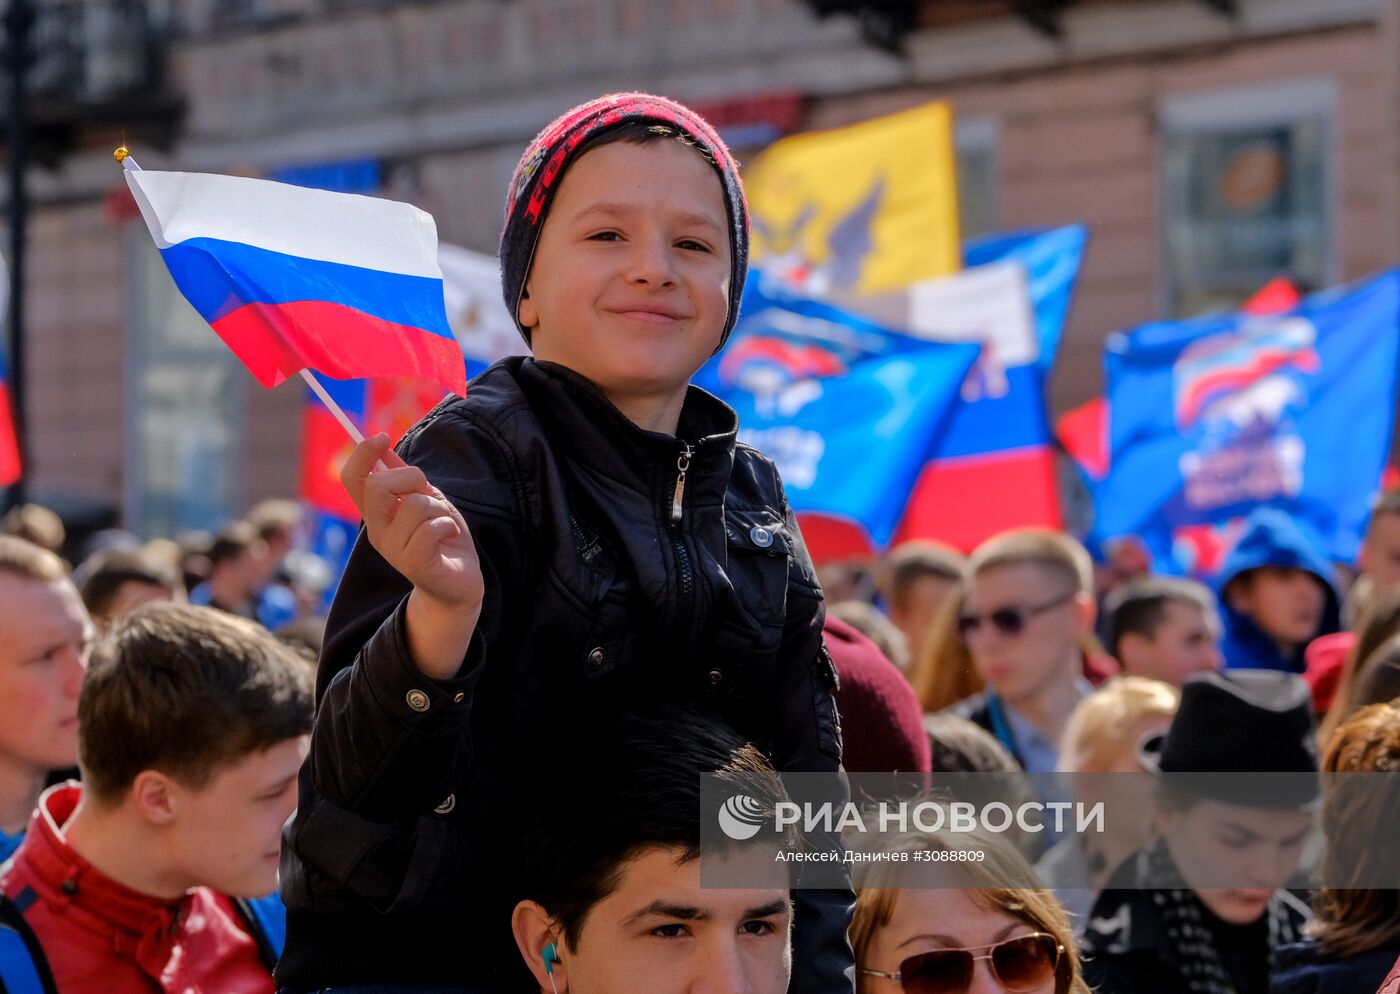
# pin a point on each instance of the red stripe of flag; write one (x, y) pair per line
(10, 468)
(336, 340)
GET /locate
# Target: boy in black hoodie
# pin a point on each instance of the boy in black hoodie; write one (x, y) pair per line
(583, 528)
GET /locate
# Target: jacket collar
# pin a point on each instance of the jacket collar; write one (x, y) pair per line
(138, 922)
(602, 438)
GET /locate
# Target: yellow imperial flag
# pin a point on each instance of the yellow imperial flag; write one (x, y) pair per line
(861, 209)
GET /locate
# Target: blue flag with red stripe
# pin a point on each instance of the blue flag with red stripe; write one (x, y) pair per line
(1219, 415)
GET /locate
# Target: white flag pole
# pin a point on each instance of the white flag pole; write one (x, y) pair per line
(332, 406)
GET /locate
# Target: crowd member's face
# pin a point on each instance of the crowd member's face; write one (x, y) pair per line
(1255, 851)
(1185, 641)
(630, 280)
(927, 919)
(1285, 602)
(44, 634)
(1380, 555)
(660, 932)
(918, 606)
(227, 834)
(1046, 649)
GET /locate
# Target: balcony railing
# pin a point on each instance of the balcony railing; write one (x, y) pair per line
(96, 64)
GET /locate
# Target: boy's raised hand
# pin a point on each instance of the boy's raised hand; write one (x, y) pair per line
(419, 533)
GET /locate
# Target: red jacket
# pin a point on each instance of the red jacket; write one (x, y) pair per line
(100, 937)
(1391, 984)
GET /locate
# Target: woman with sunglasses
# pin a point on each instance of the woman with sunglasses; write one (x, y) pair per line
(943, 926)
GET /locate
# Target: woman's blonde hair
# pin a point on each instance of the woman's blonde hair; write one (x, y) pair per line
(1108, 721)
(1002, 881)
(943, 673)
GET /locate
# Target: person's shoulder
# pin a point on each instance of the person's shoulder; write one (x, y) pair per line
(493, 403)
(755, 478)
(973, 708)
(1123, 919)
(477, 448)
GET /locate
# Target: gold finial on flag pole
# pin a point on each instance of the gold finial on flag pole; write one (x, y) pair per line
(121, 153)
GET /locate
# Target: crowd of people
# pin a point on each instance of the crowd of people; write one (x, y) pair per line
(576, 601)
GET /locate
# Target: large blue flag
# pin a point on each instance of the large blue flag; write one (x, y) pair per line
(1215, 416)
(823, 392)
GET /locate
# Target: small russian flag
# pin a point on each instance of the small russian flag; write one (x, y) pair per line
(294, 278)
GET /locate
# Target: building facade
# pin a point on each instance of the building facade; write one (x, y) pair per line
(1209, 146)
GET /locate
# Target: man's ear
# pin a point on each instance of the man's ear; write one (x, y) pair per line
(534, 929)
(526, 311)
(1085, 612)
(1132, 646)
(155, 797)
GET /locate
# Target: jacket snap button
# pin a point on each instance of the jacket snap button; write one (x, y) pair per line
(761, 536)
(417, 700)
(597, 658)
(69, 886)
(445, 808)
(716, 677)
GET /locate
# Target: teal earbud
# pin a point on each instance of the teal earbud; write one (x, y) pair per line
(550, 955)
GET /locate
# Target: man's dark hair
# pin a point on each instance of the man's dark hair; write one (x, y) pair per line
(913, 561)
(1140, 605)
(103, 575)
(185, 690)
(231, 542)
(274, 516)
(633, 784)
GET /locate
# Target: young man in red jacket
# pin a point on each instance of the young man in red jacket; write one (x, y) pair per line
(192, 725)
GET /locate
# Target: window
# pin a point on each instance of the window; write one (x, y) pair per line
(1246, 193)
(975, 149)
(185, 393)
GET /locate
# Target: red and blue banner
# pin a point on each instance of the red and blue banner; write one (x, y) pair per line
(10, 468)
(821, 391)
(994, 468)
(388, 405)
(293, 278)
(1216, 416)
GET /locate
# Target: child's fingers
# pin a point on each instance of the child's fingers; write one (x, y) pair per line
(412, 511)
(360, 464)
(423, 544)
(383, 490)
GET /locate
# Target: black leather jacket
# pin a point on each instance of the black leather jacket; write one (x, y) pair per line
(395, 868)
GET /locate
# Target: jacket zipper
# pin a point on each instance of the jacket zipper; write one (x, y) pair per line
(677, 499)
(682, 554)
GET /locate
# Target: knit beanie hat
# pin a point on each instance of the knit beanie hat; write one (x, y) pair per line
(537, 178)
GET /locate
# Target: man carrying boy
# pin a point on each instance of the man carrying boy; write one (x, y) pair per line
(44, 633)
(582, 531)
(192, 725)
(612, 900)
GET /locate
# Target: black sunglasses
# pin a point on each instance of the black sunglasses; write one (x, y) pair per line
(1009, 620)
(1020, 964)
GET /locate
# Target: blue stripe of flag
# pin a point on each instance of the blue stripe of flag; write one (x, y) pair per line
(218, 277)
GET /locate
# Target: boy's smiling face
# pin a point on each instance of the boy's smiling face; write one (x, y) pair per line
(630, 281)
